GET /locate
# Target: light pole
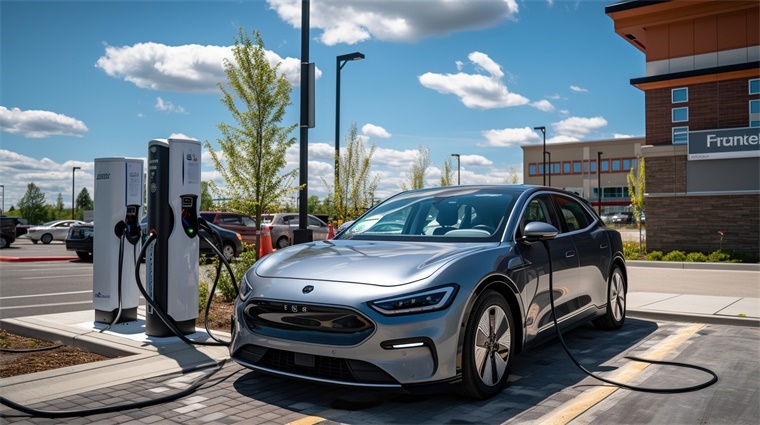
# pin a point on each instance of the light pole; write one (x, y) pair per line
(543, 131)
(550, 165)
(340, 62)
(73, 205)
(459, 174)
(599, 178)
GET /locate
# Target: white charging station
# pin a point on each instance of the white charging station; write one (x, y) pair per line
(174, 186)
(118, 198)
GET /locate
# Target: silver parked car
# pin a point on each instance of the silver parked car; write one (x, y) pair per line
(52, 230)
(281, 226)
(449, 288)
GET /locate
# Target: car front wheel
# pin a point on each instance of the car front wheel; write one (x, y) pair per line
(46, 238)
(3, 243)
(84, 255)
(228, 251)
(488, 343)
(616, 300)
(282, 242)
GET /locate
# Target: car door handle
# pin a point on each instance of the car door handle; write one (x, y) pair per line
(603, 246)
(570, 254)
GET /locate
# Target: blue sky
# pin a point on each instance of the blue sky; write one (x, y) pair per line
(93, 79)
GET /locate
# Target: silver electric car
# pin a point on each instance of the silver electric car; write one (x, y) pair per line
(431, 287)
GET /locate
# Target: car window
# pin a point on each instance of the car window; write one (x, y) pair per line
(575, 216)
(248, 221)
(314, 222)
(231, 220)
(539, 208)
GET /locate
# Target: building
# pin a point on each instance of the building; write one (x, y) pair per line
(573, 166)
(702, 108)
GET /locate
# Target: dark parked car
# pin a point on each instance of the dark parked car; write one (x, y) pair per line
(79, 239)
(239, 223)
(7, 231)
(432, 287)
(232, 242)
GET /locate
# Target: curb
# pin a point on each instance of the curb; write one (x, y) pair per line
(695, 266)
(711, 319)
(30, 259)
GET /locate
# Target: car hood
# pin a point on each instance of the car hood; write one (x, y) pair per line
(364, 262)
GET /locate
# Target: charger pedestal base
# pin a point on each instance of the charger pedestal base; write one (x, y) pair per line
(107, 317)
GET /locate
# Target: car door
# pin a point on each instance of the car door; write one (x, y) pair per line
(594, 252)
(536, 269)
(318, 228)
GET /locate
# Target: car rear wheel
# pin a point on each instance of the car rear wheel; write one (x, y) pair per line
(228, 251)
(84, 255)
(616, 300)
(282, 242)
(3, 243)
(487, 351)
(46, 238)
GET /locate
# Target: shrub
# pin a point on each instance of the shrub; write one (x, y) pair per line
(696, 257)
(225, 286)
(202, 294)
(674, 256)
(654, 256)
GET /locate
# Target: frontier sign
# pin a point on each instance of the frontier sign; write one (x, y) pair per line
(724, 143)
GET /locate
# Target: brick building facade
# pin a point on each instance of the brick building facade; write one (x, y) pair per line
(702, 94)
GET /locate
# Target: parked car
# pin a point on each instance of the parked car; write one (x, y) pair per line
(606, 217)
(432, 304)
(622, 218)
(52, 230)
(232, 242)
(281, 226)
(80, 239)
(7, 231)
(239, 223)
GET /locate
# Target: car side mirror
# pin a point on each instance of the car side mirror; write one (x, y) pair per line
(539, 231)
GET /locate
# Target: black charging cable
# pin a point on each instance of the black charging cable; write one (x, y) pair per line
(706, 384)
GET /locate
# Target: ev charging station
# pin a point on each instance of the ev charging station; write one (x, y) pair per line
(174, 185)
(118, 197)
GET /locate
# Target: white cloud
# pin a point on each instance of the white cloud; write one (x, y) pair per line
(508, 137)
(475, 160)
(578, 89)
(39, 124)
(165, 105)
(622, 136)
(564, 112)
(375, 131)
(188, 68)
(578, 127)
(476, 91)
(351, 22)
(543, 105)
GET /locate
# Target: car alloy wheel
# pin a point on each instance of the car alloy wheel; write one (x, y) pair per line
(616, 302)
(228, 251)
(46, 238)
(487, 347)
(3, 243)
(282, 242)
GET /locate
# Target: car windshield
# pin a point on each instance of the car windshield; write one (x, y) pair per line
(473, 214)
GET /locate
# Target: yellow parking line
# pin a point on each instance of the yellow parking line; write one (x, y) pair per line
(575, 407)
(309, 420)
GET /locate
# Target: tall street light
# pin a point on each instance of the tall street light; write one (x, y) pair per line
(73, 205)
(459, 174)
(599, 178)
(543, 131)
(339, 64)
(550, 165)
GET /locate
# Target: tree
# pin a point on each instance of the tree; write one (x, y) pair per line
(416, 174)
(251, 155)
(207, 201)
(59, 204)
(355, 189)
(636, 189)
(32, 205)
(447, 174)
(512, 177)
(84, 202)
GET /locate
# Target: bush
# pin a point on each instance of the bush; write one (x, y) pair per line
(674, 256)
(696, 257)
(202, 294)
(225, 286)
(654, 256)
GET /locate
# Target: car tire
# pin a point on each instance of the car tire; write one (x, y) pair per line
(84, 255)
(4, 243)
(34, 241)
(228, 251)
(616, 302)
(46, 238)
(487, 352)
(282, 242)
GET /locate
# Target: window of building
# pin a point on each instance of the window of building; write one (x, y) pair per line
(605, 164)
(679, 95)
(680, 135)
(541, 169)
(619, 192)
(754, 113)
(615, 165)
(576, 167)
(566, 167)
(626, 164)
(754, 86)
(680, 114)
(532, 169)
(556, 168)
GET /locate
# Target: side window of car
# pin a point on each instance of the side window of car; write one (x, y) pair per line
(575, 216)
(538, 209)
(314, 222)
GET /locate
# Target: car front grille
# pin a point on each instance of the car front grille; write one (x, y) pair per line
(312, 366)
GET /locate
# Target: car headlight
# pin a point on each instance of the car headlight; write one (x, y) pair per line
(418, 302)
(245, 287)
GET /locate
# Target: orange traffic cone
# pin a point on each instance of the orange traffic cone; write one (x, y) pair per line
(330, 231)
(265, 245)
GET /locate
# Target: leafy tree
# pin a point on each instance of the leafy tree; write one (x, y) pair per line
(32, 205)
(59, 204)
(512, 177)
(314, 204)
(251, 153)
(416, 174)
(447, 174)
(636, 189)
(207, 202)
(83, 202)
(355, 189)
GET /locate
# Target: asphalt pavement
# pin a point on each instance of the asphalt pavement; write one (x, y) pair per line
(661, 323)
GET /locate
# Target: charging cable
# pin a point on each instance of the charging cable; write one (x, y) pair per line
(706, 384)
